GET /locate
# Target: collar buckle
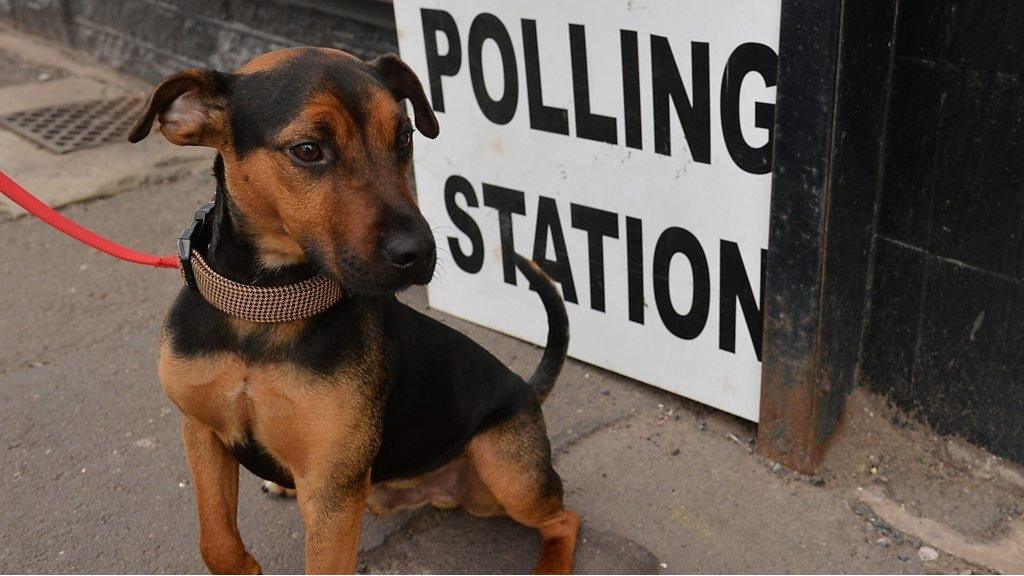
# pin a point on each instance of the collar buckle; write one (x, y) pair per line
(195, 236)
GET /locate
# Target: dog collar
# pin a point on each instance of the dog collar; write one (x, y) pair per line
(263, 304)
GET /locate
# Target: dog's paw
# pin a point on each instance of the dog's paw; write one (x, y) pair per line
(242, 564)
(252, 566)
(277, 490)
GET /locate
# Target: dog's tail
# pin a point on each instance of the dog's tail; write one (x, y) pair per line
(544, 377)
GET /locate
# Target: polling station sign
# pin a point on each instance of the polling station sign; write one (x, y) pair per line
(626, 145)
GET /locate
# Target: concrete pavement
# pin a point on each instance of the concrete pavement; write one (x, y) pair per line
(94, 479)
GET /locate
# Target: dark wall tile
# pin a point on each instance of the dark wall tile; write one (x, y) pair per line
(126, 55)
(97, 11)
(944, 342)
(925, 27)
(887, 362)
(915, 134)
(153, 25)
(107, 11)
(235, 48)
(198, 39)
(945, 331)
(989, 35)
(215, 9)
(978, 191)
(317, 25)
(49, 19)
(984, 35)
(155, 38)
(954, 178)
(970, 364)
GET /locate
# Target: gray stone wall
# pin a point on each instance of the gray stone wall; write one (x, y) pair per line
(154, 38)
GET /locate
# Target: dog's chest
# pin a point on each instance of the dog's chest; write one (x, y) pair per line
(225, 392)
(297, 416)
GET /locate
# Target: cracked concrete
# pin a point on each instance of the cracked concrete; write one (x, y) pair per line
(95, 481)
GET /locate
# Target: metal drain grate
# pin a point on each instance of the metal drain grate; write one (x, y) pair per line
(71, 127)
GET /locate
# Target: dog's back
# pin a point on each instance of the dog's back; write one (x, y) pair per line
(446, 388)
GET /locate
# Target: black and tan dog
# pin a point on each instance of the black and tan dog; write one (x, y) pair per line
(369, 403)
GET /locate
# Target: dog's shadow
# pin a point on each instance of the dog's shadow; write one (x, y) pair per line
(453, 542)
(431, 541)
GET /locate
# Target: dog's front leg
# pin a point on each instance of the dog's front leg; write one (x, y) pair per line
(215, 476)
(332, 510)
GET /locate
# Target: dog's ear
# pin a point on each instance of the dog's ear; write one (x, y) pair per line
(191, 106)
(403, 83)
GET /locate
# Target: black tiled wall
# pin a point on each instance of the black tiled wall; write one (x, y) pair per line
(945, 334)
(155, 38)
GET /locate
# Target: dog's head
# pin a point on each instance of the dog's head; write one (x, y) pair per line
(317, 152)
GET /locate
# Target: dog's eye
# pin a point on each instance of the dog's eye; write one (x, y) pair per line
(404, 140)
(308, 152)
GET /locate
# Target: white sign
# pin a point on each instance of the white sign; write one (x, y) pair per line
(625, 144)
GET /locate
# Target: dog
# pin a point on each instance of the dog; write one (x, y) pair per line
(369, 403)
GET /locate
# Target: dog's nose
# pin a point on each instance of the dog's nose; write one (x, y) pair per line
(408, 251)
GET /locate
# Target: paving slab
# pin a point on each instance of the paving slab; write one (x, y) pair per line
(14, 70)
(35, 94)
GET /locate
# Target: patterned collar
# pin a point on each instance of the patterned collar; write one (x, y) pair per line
(263, 304)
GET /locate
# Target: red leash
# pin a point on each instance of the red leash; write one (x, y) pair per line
(37, 208)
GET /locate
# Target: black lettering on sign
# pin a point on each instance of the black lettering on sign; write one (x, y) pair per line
(635, 268)
(546, 118)
(631, 89)
(559, 268)
(474, 260)
(598, 225)
(487, 27)
(667, 87)
(680, 241)
(438, 65)
(736, 286)
(589, 126)
(507, 202)
(745, 59)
